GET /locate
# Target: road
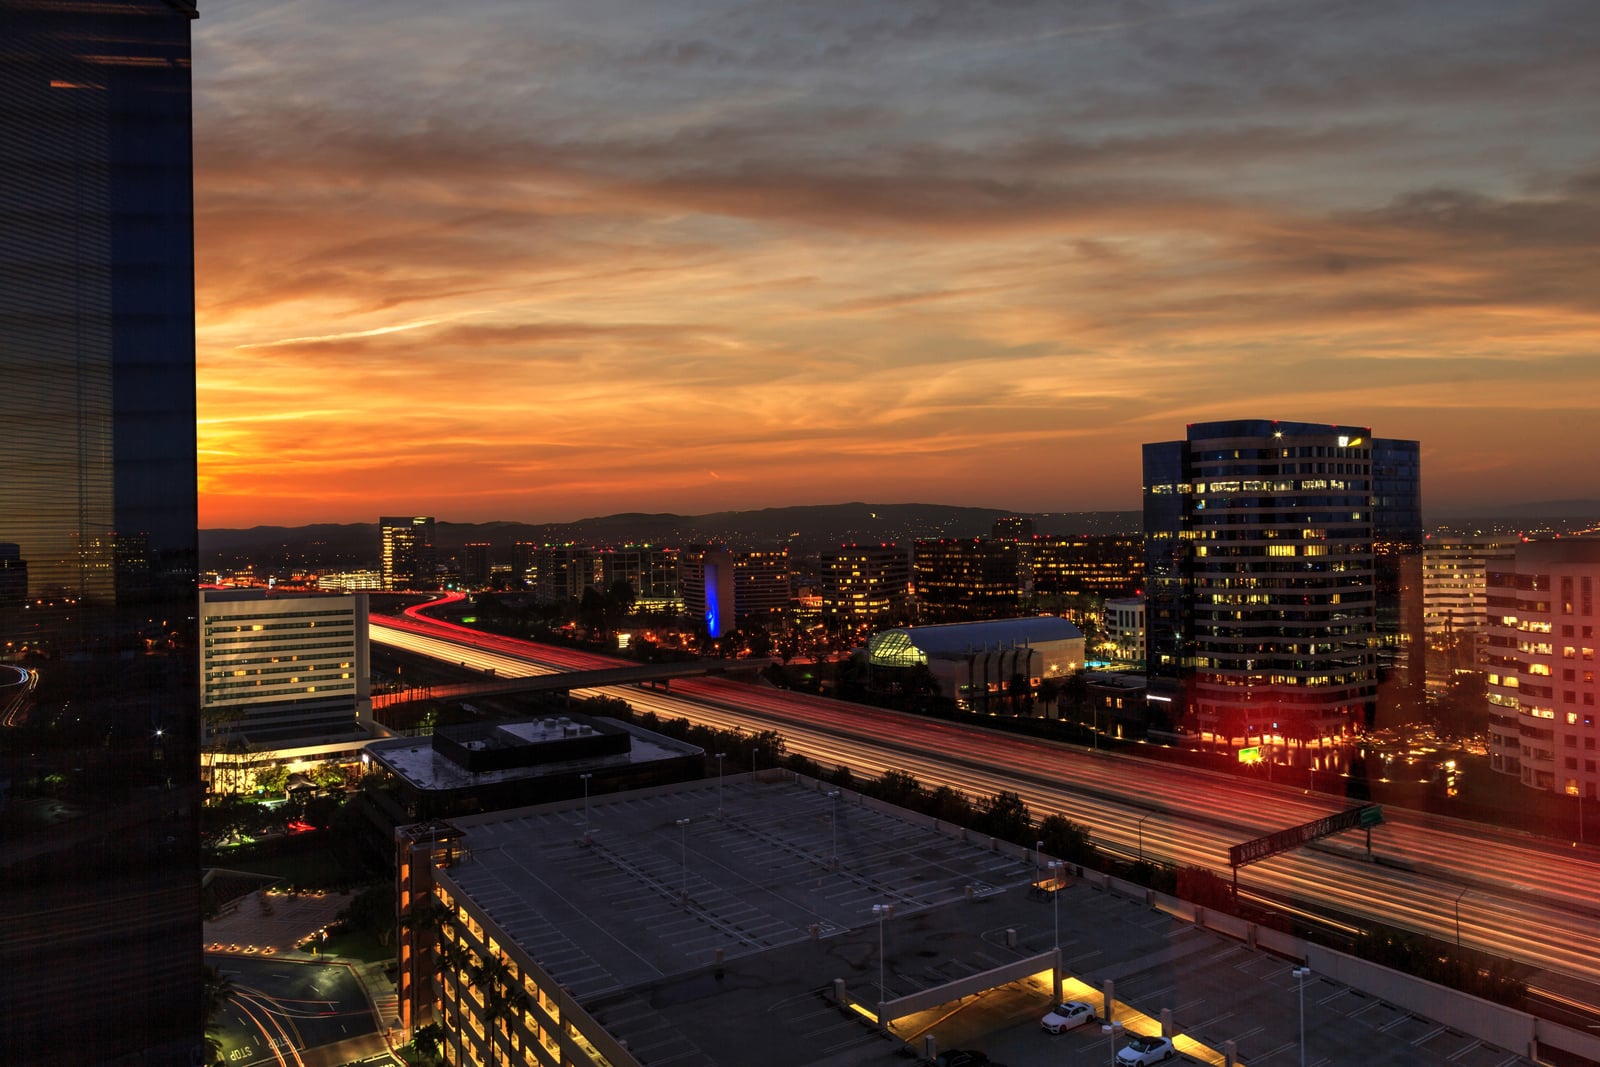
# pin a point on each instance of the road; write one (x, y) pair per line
(1513, 895)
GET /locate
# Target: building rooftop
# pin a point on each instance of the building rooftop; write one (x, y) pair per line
(651, 918)
(958, 638)
(546, 751)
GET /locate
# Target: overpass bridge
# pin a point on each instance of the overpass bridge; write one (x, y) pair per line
(656, 675)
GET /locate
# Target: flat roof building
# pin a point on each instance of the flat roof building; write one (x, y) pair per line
(667, 931)
(476, 767)
(278, 668)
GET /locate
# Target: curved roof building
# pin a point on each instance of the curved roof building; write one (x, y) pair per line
(975, 661)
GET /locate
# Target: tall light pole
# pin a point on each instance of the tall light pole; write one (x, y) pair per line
(881, 912)
(1458, 916)
(1142, 818)
(586, 778)
(834, 822)
(1111, 1030)
(1302, 973)
(683, 840)
(1056, 867)
(720, 756)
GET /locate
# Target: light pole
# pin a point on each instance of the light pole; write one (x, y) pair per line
(1111, 1030)
(1056, 867)
(720, 755)
(834, 824)
(881, 912)
(1458, 916)
(1142, 818)
(683, 840)
(1301, 973)
(586, 778)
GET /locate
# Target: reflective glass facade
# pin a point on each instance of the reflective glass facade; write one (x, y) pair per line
(99, 866)
(1263, 591)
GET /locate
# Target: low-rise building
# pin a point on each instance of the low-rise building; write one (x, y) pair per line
(977, 664)
(475, 767)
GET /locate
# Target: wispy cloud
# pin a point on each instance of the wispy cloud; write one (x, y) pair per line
(556, 265)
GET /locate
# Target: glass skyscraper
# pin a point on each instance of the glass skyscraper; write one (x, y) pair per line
(99, 773)
(1263, 591)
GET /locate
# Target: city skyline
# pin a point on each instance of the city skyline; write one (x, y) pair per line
(519, 262)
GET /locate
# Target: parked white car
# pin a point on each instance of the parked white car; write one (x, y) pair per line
(1068, 1016)
(1142, 1051)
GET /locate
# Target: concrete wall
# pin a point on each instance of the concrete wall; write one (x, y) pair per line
(971, 985)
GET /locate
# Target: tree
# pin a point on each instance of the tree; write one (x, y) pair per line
(1463, 709)
(1006, 816)
(899, 788)
(429, 1042)
(502, 999)
(216, 992)
(1064, 838)
(950, 805)
(272, 779)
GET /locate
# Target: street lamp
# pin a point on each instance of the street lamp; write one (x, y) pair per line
(1458, 916)
(834, 823)
(683, 840)
(1142, 818)
(1301, 973)
(881, 912)
(1111, 1030)
(720, 756)
(586, 778)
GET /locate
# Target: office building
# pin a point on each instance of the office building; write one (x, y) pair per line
(1089, 565)
(408, 552)
(1455, 601)
(651, 571)
(959, 579)
(564, 572)
(761, 584)
(99, 842)
(277, 668)
(524, 565)
(1122, 627)
(750, 586)
(476, 564)
(860, 583)
(1261, 584)
(1541, 666)
(1397, 544)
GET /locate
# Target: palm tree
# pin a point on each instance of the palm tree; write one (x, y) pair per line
(502, 999)
(217, 992)
(429, 1041)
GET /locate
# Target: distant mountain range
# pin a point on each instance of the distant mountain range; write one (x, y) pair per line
(803, 528)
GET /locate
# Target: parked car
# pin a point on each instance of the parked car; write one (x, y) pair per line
(1146, 1050)
(958, 1057)
(1067, 1016)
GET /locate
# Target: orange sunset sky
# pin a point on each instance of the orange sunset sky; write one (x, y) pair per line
(547, 259)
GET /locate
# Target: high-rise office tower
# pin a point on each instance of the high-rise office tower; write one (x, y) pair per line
(408, 552)
(1541, 666)
(1261, 587)
(99, 846)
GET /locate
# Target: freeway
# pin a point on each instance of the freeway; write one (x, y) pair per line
(1502, 892)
